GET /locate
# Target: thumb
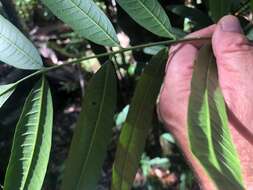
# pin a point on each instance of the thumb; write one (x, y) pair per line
(234, 57)
(233, 52)
(228, 39)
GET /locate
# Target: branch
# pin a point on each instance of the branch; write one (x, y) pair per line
(133, 48)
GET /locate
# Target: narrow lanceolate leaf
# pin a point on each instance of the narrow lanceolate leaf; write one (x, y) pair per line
(149, 14)
(138, 122)
(32, 141)
(5, 92)
(209, 134)
(219, 8)
(86, 19)
(93, 132)
(16, 49)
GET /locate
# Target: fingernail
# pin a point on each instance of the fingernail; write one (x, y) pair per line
(230, 24)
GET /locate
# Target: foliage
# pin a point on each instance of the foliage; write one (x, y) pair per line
(150, 15)
(25, 8)
(14, 43)
(5, 92)
(94, 27)
(86, 19)
(219, 8)
(32, 141)
(208, 128)
(93, 131)
(138, 123)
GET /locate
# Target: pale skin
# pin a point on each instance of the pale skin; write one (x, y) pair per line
(234, 55)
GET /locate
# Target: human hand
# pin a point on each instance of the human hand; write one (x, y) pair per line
(234, 56)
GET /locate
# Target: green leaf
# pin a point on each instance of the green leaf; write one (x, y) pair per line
(32, 141)
(250, 34)
(16, 49)
(219, 8)
(93, 131)
(160, 162)
(200, 18)
(138, 122)
(121, 117)
(5, 92)
(209, 134)
(149, 14)
(85, 18)
(251, 4)
(153, 50)
(168, 137)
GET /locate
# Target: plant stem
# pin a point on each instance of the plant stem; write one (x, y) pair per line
(122, 50)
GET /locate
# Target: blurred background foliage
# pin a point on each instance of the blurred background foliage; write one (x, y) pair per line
(162, 165)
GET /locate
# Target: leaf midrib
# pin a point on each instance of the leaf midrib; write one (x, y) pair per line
(84, 165)
(208, 121)
(20, 50)
(216, 157)
(8, 89)
(160, 23)
(90, 18)
(136, 121)
(38, 125)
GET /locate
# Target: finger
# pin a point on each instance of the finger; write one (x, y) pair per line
(204, 33)
(231, 47)
(234, 55)
(176, 84)
(174, 97)
(228, 37)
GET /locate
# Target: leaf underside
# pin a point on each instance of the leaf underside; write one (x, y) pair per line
(5, 92)
(32, 141)
(85, 18)
(209, 135)
(93, 131)
(149, 14)
(16, 49)
(138, 122)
